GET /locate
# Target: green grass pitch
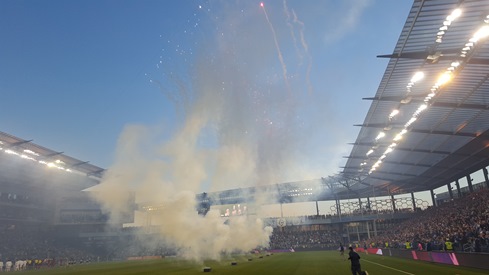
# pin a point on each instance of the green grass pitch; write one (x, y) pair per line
(323, 262)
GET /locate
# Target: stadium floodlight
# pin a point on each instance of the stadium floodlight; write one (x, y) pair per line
(31, 152)
(10, 152)
(444, 78)
(483, 32)
(455, 64)
(27, 157)
(394, 113)
(417, 77)
(380, 135)
(410, 121)
(454, 15)
(420, 109)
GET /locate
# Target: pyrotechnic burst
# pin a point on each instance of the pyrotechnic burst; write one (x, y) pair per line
(279, 52)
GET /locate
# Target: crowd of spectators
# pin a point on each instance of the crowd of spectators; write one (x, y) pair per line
(318, 239)
(31, 245)
(6, 197)
(88, 217)
(458, 225)
(462, 224)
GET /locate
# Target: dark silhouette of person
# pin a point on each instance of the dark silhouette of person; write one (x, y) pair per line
(356, 269)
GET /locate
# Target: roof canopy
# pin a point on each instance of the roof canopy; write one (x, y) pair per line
(428, 124)
(32, 151)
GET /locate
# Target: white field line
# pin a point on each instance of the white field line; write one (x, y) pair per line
(388, 267)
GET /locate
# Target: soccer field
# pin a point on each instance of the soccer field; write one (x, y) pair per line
(324, 262)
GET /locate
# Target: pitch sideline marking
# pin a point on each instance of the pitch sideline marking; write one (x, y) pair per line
(388, 267)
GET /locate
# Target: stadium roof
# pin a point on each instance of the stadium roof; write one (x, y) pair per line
(428, 124)
(28, 150)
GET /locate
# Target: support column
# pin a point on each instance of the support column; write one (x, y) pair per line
(149, 217)
(338, 208)
(317, 208)
(469, 182)
(458, 189)
(348, 232)
(433, 197)
(368, 204)
(368, 229)
(486, 176)
(393, 203)
(414, 201)
(358, 233)
(375, 228)
(449, 186)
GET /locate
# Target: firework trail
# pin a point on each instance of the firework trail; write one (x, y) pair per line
(306, 50)
(292, 33)
(178, 99)
(279, 52)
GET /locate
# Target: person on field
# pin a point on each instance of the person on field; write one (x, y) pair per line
(356, 269)
(342, 250)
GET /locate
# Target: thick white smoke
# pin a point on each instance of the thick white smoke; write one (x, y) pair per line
(238, 95)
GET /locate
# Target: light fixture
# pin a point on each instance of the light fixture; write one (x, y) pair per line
(444, 78)
(394, 113)
(455, 13)
(410, 121)
(417, 76)
(483, 32)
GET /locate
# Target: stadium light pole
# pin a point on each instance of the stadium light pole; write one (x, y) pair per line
(433, 197)
(414, 201)
(317, 208)
(393, 202)
(469, 182)
(457, 184)
(449, 186)
(486, 177)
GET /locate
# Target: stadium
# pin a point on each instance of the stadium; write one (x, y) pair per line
(412, 197)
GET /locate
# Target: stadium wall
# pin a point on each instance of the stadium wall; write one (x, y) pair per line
(478, 260)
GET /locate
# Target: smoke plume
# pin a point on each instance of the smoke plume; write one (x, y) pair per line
(240, 127)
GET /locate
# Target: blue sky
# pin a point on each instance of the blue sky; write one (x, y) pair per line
(74, 74)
